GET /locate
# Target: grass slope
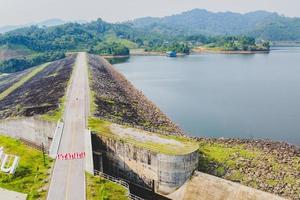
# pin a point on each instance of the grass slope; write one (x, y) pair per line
(57, 114)
(31, 174)
(101, 189)
(22, 81)
(113, 38)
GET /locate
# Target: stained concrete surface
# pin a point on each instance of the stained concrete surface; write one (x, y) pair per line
(11, 195)
(207, 187)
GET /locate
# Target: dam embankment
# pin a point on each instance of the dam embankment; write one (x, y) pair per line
(117, 100)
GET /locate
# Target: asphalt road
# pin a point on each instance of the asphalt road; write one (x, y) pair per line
(68, 178)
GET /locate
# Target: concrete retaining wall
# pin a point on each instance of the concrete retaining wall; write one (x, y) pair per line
(89, 165)
(207, 187)
(156, 172)
(33, 129)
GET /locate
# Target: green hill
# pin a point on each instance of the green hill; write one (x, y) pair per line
(261, 24)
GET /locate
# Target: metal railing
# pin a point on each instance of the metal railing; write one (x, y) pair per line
(33, 145)
(134, 197)
(118, 181)
(111, 178)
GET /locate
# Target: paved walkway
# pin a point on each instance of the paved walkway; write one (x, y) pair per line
(68, 179)
(11, 195)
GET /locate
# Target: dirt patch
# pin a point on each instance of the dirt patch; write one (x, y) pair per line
(6, 54)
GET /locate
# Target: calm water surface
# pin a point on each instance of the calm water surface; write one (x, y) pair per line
(215, 95)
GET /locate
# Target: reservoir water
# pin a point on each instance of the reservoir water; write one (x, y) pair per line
(220, 95)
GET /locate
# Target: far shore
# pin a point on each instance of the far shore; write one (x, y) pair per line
(142, 52)
(115, 56)
(219, 51)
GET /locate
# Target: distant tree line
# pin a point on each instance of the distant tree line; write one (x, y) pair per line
(230, 43)
(109, 49)
(165, 46)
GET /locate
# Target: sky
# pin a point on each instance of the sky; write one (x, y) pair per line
(16, 12)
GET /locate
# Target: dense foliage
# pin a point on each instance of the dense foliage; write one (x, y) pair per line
(49, 43)
(113, 48)
(166, 46)
(238, 43)
(19, 64)
(71, 36)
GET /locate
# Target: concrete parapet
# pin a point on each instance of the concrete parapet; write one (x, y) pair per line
(89, 163)
(56, 140)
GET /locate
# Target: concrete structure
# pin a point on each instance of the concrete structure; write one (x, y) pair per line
(56, 140)
(207, 187)
(11, 195)
(89, 164)
(157, 172)
(32, 129)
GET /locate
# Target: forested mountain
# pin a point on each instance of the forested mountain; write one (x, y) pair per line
(260, 24)
(71, 36)
(50, 43)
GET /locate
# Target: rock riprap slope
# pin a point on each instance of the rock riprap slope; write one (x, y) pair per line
(39, 94)
(117, 100)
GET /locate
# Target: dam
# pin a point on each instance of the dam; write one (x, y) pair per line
(146, 159)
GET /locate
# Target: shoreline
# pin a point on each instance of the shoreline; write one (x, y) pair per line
(115, 56)
(218, 51)
(153, 53)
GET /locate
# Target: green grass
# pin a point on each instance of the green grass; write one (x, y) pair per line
(226, 158)
(55, 115)
(31, 174)
(222, 154)
(92, 94)
(272, 182)
(101, 189)
(127, 43)
(23, 80)
(236, 176)
(101, 127)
